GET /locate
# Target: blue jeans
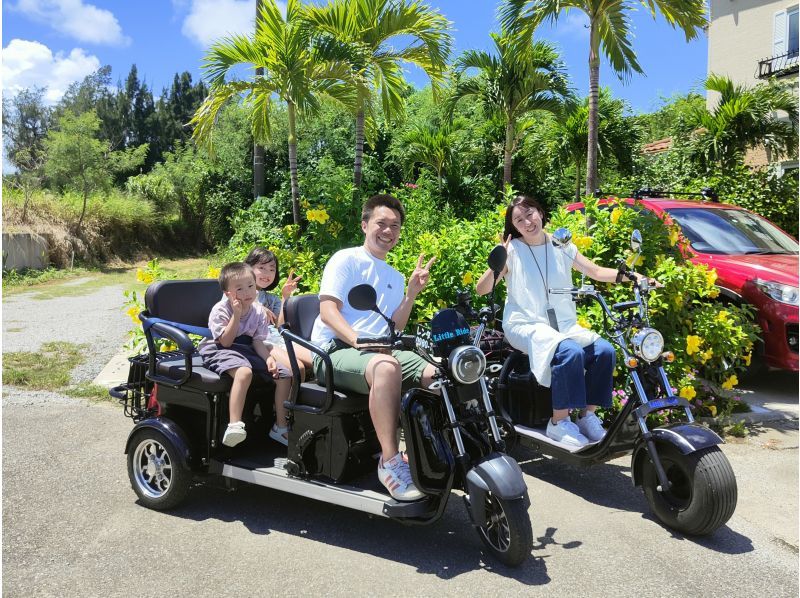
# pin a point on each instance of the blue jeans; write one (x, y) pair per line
(581, 373)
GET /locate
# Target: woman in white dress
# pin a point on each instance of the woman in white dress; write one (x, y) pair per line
(574, 362)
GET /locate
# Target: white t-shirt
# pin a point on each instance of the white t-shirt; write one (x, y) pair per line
(351, 267)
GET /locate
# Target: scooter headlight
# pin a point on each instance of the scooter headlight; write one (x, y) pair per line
(467, 364)
(648, 344)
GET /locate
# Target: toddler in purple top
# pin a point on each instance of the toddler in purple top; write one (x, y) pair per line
(240, 347)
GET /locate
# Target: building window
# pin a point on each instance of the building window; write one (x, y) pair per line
(791, 31)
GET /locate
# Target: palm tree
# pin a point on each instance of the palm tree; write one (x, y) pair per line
(616, 135)
(609, 27)
(512, 84)
(376, 36)
(743, 118)
(432, 146)
(292, 71)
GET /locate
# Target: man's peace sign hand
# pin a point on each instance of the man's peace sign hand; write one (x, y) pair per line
(419, 277)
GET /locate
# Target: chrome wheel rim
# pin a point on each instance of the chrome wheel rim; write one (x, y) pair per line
(152, 468)
(496, 529)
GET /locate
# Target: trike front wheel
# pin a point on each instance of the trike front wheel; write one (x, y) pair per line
(702, 494)
(506, 531)
(155, 471)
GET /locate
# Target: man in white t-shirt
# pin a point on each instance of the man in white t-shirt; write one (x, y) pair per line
(339, 325)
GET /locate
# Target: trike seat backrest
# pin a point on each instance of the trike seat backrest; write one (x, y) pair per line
(300, 312)
(184, 301)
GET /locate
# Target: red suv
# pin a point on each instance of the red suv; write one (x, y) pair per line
(756, 263)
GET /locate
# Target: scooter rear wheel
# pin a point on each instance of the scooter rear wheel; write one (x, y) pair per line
(507, 532)
(155, 471)
(703, 493)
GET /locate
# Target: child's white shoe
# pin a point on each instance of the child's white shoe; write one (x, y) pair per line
(234, 434)
(279, 434)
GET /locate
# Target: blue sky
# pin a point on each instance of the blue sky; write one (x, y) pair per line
(55, 42)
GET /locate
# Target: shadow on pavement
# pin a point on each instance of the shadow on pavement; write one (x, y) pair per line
(446, 549)
(608, 485)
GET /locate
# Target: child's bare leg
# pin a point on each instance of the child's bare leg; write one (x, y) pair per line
(304, 357)
(282, 388)
(282, 357)
(241, 382)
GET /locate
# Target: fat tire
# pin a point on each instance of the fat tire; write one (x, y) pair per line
(712, 492)
(520, 534)
(180, 477)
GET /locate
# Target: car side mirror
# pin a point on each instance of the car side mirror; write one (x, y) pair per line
(562, 237)
(497, 259)
(363, 297)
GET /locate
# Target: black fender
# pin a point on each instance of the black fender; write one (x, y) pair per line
(498, 474)
(686, 437)
(169, 429)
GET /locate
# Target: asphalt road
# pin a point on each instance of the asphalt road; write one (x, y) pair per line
(72, 527)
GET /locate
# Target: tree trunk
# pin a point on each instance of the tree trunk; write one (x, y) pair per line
(578, 167)
(293, 165)
(594, 91)
(359, 148)
(83, 213)
(508, 150)
(258, 149)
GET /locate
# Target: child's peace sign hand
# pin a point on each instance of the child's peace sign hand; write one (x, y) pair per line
(290, 286)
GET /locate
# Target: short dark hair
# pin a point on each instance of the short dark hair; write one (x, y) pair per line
(383, 199)
(521, 200)
(234, 270)
(261, 255)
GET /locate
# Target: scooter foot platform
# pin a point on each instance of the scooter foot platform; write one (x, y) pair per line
(539, 435)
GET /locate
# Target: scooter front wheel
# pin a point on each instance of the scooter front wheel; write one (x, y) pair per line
(506, 531)
(702, 495)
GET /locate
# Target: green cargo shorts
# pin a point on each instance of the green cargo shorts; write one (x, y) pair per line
(350, 365)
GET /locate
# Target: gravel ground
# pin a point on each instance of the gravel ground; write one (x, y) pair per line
(96, 319)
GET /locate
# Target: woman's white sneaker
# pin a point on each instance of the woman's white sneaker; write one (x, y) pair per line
(591, 427)
(566, 432)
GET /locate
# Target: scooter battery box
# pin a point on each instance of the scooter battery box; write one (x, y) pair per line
(528, 403)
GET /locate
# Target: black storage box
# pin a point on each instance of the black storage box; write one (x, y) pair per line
(525, 401)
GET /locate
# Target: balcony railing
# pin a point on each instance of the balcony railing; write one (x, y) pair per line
(778, 66)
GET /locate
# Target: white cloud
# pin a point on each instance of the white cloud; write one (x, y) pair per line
(575, 23)
(84, 22)
(28, 64)
(210, 20)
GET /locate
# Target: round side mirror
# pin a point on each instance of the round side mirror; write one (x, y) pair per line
(497, 259)
(636, 240)
(562, 237)
(363, 297)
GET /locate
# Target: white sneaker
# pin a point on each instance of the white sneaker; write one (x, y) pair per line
(234, 434)
(591, 427)
(566, 432)
(396, 476)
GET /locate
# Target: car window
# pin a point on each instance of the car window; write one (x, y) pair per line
(731, 231)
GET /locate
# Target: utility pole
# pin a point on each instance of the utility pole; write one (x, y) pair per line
(258, 150)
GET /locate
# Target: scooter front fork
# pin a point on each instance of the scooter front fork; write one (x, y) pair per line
(663, 482)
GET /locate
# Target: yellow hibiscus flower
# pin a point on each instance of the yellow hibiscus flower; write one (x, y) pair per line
(706, 355)
(615, 214)
(321, 216)
(722, 316)
(467, 278)
(674, 235)
(584, 322)
(730, 382)
(748, 358)
(713, 410)
(688, 393)
(711, 277)
(582, 243)
(693, 343)
(212, 272)
(133, 314)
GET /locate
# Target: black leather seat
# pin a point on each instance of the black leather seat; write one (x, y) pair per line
(300, 312)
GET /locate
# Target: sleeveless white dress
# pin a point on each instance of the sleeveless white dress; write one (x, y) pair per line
(525, 321)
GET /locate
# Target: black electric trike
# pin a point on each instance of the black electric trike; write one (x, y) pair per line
(180, 411)
(687, 480)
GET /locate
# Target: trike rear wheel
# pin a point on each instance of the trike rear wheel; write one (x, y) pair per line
(155, 470)
(703, 492)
